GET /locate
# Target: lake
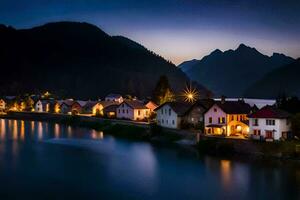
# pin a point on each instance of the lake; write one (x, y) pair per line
(40, 160)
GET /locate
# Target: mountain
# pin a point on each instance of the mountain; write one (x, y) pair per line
(282, 81)
(79, 60)
(231, 72)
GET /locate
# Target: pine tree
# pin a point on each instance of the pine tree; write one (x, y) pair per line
(163, 92)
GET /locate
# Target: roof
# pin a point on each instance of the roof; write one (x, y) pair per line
(234, 107)
(135, 104)
(90, 104)
(270, 112)
(205, 103)
(111, 108)
(82, 103)
(108, 103)
(179, 107)
(113, 96)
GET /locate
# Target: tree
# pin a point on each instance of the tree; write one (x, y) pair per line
(29, 103)
(291, 104)
(296, 125)
(163, 92)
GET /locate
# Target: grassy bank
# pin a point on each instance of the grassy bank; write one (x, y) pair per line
(231, 147)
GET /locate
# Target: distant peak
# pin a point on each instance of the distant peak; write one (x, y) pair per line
(243, 47)
(215, 52)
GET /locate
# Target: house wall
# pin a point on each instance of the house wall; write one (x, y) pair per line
(96, 107)
(281, 125)
(125, 112)
(140, 114)
(76, 108)
(167, 117)
(235, 124)
(64, 109)
(195, 116)
(38, 107)
(215, 112)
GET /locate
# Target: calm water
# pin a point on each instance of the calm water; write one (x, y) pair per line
(51, 161)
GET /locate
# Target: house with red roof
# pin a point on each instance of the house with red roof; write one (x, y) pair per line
(270, 123)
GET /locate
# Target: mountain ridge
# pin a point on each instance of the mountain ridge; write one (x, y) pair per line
(231, 72)
(79, 60)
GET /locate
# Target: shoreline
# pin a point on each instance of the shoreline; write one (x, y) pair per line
(147, 132)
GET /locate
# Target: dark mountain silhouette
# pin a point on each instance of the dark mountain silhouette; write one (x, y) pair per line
(231, 72)
(282, 81)
(79, 60)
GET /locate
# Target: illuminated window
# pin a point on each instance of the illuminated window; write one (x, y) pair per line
(270, 122)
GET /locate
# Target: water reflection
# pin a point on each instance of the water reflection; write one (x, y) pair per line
(108, 166)
(2, 129)
(40, 131)
(97, 135)
(56, 130)
(225, 172)
(22, 130)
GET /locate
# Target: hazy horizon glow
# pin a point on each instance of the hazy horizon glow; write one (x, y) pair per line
(178, 30)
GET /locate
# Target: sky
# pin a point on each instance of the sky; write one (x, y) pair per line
(179, 30)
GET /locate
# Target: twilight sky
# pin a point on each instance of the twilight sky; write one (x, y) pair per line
(177, 29)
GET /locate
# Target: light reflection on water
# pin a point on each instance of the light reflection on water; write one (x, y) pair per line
(20, 130)
(45, 157)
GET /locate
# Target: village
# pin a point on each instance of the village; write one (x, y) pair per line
(255, 119)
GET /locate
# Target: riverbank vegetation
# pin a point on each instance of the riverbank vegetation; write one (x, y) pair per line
(233, 147)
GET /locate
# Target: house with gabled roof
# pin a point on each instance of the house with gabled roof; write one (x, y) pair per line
(70, 107)
(151, 105)
(270, 123)
(133, 110)
(227, 118)
(194, 116)
(114, 97)
(170, 114)
(110, 111)
(96, 107)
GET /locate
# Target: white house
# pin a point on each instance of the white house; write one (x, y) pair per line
(269, 123)
(114, 97)
(38, 106)
(133, 110)
(170, 114)
(2, 105)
